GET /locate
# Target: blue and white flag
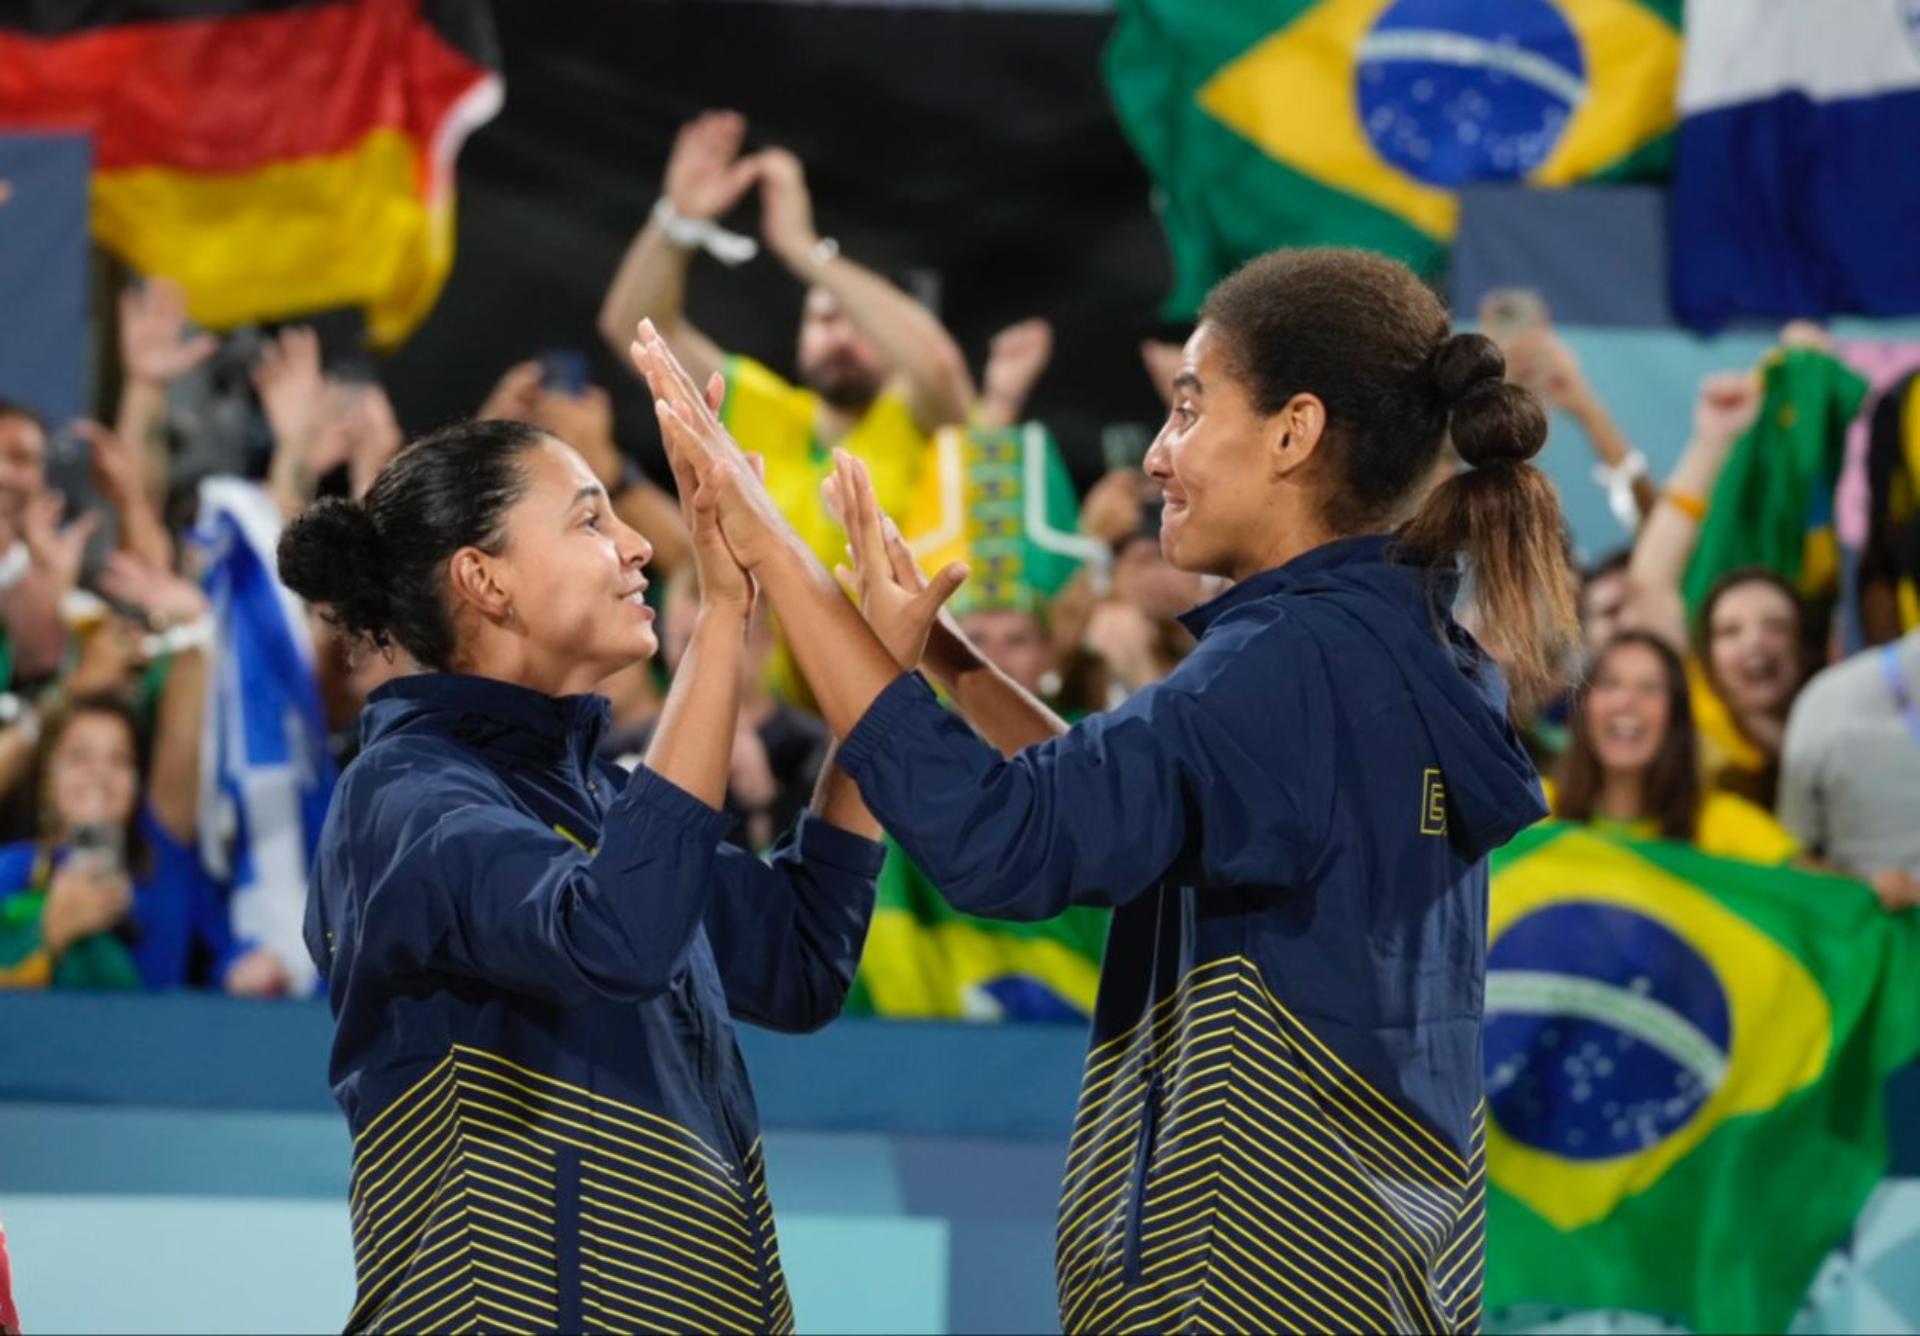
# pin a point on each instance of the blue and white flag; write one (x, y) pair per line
(1796, 187)
(266, 774)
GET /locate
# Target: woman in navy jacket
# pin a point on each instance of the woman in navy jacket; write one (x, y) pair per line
(533, 960)
(1281, 1125)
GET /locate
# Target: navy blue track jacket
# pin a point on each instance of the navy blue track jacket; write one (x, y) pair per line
(533, 961)
(1281, 1123)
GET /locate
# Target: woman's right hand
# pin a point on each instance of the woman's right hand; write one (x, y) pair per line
(898, 602)
(86, 898)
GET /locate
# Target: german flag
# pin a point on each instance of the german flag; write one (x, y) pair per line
(275, 157)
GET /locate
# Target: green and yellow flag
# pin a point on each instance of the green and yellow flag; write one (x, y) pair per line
(1685, 1061)
(1354, 122)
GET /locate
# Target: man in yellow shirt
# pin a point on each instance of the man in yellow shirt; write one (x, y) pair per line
(880, 373)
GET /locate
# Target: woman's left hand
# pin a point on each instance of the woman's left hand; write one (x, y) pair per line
(898, 602)
(167, 599)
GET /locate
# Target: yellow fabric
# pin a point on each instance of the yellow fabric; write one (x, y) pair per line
(1723, 747)
(1726, 827)
(1906, 590)
(343, 229)
(779, 421)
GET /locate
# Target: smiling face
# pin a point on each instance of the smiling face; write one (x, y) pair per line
(573, 570)
(93, 775)
(1629, 708)
(1219, 509)
(1753, 647)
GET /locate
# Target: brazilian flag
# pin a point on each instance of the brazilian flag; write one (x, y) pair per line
(926, 960)
(1685, 1060)
(1270, 123)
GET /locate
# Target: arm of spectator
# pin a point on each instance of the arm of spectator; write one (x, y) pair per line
(309, 440)
(1726, 406)
(1016, 359)
(373, 435)
(938, 387)
(173, 606)
(32, 607)
(1542, 360)
(154, 350)
(119, 476)
(706, 176)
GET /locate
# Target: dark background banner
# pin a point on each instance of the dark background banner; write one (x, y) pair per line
(972, 146)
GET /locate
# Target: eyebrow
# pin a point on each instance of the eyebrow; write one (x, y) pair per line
(592, 493)
(1187, 381)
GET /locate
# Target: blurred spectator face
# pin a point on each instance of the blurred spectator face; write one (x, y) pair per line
(1753, 647)
(1214, 512)
(837, 361)
(1628, 708)
(23, 463)
(93, 775)
(575, 567)
(1013, 642)
(1144, 577)
(1602, 605)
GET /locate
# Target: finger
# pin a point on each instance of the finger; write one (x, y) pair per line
(848, 581)
(716, 392)
(757, 465)
(863, 537)
(830, 497)
(930, 600)
(906, 571)
(867, 507)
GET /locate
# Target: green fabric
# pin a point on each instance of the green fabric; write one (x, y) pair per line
(1767, 1176)
(98, 962)
(1776, 492)
(924, 959)
(1222, 199)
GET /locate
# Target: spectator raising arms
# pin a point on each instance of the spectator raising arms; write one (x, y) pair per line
(881, 374)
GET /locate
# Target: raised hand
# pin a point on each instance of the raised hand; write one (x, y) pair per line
(898, 602)
(706, 176)
(166, 599)
(585, 422)
(57, 550)
(1726, 406)
(724, 478)
(292, 388)
(154, 346)
(1016, 359)
(515, 395)
(724, 582)
(116, 466)
(786, 208)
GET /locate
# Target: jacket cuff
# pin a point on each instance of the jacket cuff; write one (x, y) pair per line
(648, 791)
(891, 713)
(820, 841)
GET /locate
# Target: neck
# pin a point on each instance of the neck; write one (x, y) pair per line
(1289, 541)
(832, 423)
(506, 656)
(1622, 797)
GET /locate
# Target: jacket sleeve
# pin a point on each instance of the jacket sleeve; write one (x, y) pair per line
(1183, 774)
(476, 886)
(787, 935)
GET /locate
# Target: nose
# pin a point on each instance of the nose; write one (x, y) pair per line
(1159, 460)
(634, 548)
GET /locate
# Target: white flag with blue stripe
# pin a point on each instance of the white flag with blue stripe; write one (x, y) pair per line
(266, 774)
(1796, 187)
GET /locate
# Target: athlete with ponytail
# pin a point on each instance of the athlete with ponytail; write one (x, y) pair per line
(1282, 1124)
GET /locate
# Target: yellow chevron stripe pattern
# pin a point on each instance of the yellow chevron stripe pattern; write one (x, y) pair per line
(454, 1204)
(1228, 1172)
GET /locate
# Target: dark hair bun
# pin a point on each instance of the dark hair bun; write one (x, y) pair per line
(1493, 420)
(330, 555)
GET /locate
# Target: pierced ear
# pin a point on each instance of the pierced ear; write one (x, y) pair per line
(474, 577)
(1302, 426)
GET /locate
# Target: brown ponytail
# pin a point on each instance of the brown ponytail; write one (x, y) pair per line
(1502, 515)
(1364, 335)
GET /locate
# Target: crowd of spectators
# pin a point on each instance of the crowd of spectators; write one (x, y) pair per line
(1771, 721)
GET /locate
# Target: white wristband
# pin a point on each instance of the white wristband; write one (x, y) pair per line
(196, 634)
(13, 565)
(730, 248)
(1619, 480)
